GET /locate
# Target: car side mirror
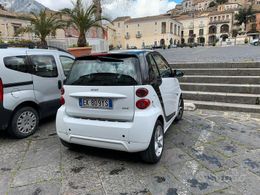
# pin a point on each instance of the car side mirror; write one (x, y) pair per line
(178, 73)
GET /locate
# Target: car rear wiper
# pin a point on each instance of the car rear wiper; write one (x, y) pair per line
(108, 59)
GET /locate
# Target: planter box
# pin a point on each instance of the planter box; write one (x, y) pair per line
(80, 51)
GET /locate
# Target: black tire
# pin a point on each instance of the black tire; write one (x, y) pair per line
(256, 44)
(27, 116)
(67, 144)
(149, 155)
(180, 110)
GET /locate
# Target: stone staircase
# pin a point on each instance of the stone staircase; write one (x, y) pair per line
(222, 86)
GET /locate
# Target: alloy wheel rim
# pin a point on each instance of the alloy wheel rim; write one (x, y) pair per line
(26, 122)
(158, 139)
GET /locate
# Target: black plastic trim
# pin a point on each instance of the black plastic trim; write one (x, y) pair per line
(5, 117)
(18, 84)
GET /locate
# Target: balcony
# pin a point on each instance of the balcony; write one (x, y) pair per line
(138, 35)
(127, 36)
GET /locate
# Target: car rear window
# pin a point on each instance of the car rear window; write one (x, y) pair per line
(104, 72)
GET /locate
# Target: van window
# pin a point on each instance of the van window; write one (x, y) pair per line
(44, 65)
(66, 63)
(105, 72)
(17, 63)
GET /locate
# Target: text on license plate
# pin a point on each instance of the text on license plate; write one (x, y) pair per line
(103, 103)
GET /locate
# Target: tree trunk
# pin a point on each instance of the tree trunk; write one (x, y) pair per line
(43, 44)
(82, 42)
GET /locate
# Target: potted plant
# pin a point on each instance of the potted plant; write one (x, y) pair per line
(82, 18)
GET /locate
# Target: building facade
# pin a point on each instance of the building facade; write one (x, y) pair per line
(161, 30)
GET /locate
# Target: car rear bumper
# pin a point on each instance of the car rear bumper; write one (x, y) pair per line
(124, 136)
(5, 116)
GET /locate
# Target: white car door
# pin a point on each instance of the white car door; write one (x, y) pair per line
(47, 81)
(169, 88)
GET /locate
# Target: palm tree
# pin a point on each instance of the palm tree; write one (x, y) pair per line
(242, 15)
(83, 18)
(42, 25)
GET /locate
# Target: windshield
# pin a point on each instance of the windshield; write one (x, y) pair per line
(110, 72)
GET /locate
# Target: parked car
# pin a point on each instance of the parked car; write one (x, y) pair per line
(30, 83)
(255, 42)
(172, 46)
(122, 101)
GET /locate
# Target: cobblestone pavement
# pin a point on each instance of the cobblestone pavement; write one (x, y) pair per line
(208, 152)
(213, 54)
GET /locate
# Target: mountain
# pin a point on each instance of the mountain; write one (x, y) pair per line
(22, 5)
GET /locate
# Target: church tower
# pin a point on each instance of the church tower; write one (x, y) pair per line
(99, 31)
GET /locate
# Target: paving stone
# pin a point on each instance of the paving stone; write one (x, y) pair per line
(4, 182)
(211, 159)
(42, 153)
(243, 181)
(250, 160)
(35, 175)
(195, 178)
(208, 152)
(229, 148)
(227, 191)
(46, 188)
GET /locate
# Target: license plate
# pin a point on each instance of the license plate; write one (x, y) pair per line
(96, 103)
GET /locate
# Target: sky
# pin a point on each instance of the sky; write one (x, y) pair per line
(116, 8)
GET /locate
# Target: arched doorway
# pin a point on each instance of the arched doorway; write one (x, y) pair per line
(212, 30)
(191, 40)
(212, 39)
(162, 42)
(224, 37)
(224, 28)
(201, 40)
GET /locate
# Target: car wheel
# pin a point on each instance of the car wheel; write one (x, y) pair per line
(24, 123)
(154, 152)
(180, 110)
(256, 44)
(67, 144)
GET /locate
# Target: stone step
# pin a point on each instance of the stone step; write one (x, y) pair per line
(220, 79)
(222, 72)
(225, 106)
(235, 98)
(217, 65)
(217, 87)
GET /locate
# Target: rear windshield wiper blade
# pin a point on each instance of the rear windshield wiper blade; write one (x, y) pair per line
(108, 59)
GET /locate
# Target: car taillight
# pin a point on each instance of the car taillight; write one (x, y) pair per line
(62, 100)
(143, 103)
(142, 92)
(1, 91)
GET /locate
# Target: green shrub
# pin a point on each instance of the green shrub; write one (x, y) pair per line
(246, 40)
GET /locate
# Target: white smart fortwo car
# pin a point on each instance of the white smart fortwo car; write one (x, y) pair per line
(122, 101)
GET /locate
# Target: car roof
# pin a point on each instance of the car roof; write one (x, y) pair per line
(131, 51)
(19, 51)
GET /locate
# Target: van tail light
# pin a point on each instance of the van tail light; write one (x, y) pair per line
(143, 104)
(141, 92)
(62, 100)
(1, 91)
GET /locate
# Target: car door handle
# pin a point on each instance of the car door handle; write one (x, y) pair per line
(59, 84)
